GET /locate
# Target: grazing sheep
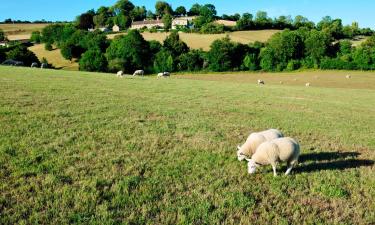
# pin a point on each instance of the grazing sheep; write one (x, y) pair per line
(139, 73)
(34, 65)
(254, 140)
(164, 74)
(348, 76)
(275, 151)
(307, 84)
(281, 82)
(43, 65)
(261, 82)
(120, 73)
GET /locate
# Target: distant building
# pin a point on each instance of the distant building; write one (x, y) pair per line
(148, 24)
(116, 28)
(183, 22)
(103, 29)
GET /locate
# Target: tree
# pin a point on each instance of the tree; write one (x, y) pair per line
(194, 10)
(36, 37)
(163, 62)
(180, 11)
(138, 13)
(150, 15)
(85, 21)
(93, 60)
(207, 14)
(163, 8)
(2, 35)
(245, 22)
(128, 53)
(167, 21)
(21, 53)
(250, 62)
(316, 45)
(191, 61)
(102, 17)
(122, 11)
(174, 45)
(221, 55)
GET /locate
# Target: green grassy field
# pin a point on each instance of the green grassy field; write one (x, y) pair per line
(93, 148)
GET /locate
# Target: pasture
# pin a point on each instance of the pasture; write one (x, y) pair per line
(21, 31)
(79, 147)
(204, 41)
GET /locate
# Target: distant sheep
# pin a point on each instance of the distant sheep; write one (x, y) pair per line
(34, 65)
(164, 74)
(139, 73)
(275, 151)
(43, 65)
(261, 82)
(254, 140)
(307, 84)
(120, 73)
(348, 76)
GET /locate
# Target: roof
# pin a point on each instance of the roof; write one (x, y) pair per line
(147, 22)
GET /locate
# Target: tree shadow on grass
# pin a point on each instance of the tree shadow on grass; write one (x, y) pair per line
(331, 161)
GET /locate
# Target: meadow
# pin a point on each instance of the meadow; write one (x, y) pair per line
(204, 41)
(78, 147)
(21, 31)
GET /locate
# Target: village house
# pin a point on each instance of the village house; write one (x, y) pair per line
(182, 22)
(147, 23)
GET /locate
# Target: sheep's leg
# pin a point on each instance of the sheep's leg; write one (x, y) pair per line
(290, 167)
(274, 170)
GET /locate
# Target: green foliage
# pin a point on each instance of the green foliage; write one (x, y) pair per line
(207, 15)
(191, 61)
(167, 21)
(21, 53)
(132, 50)
(93, 60)
(85, 21)
(180, 11)
(245, 22)
(163, 62)
(48, 46)
(175, 45)
(36, 37)
(212, 28)
(162, 8)
(2, 35)
(250, 62)
(316, 45)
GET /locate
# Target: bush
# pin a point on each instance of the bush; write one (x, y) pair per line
(212, 28)
(163, 62)
(93, 60)
(250, 62)
(21, 53)
(191, 61)
(36, 37)
(293, 65)
(225, 55)
(48, 46)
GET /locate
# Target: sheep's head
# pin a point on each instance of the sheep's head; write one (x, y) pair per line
(251, 166)
(240, 155)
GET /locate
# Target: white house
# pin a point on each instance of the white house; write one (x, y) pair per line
(116, 28)
(182, 22)
(147, 23)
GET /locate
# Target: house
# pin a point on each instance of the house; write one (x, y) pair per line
(147, 23)
(102, 29)
(116, 28)
(3, 43)
(183, 22)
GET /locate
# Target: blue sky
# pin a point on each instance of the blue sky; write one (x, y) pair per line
(361, 11)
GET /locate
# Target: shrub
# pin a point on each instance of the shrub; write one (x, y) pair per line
(250, 62)
(93, 60)
(191, 61)
(21, 53)
(163, 61)
(36, 37)
(48, 46)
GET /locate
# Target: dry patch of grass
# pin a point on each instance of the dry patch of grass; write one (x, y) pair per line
(320, 78)
(204, 41)
(21, 31)
(54, 57)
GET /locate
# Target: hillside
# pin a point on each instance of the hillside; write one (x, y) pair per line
(196, 41)
(21, 31)
(80, 147)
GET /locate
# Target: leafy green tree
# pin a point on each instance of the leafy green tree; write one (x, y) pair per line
(163, 62)
(207, 14)
(48, 46)
(175, 45)
(194, 10)
(85, 21)
(245, 22)
(122, 11)
(191, 61)
(167, 21)
(131, 50)
(180, 11)
(317, 45)
(163, 8)
(36, 37)
(362, 58)
(150, 15)
(221, 55)
(21, 53)
(301, 21)
(2, 35)
(93, 60)
(250, 62)
(138, 13)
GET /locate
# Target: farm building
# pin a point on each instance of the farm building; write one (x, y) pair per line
(116, 28)
(147, 23)
(183, 22)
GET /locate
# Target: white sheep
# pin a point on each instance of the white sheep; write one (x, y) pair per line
(120, 73)
(261, 82)
(139, 73)
(254, 140)
(348, 76)
(164, 74)
(307, 84)
(275, 151)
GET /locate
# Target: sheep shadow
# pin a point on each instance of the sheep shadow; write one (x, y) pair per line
(331, 161)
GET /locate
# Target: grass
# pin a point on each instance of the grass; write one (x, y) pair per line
(21, 31)
(92, 148)
(54, 57)
(204, 41)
